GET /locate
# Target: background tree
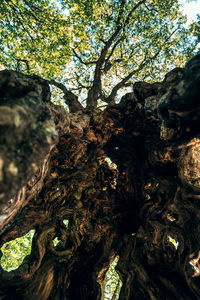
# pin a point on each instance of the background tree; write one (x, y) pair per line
(123, 174)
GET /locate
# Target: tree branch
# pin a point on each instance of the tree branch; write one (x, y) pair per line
(80, 59)
(121, 9)
(131, 12)
(122, 83)
(111, 52)
(82, 86)
(96, 89)
(70, 99)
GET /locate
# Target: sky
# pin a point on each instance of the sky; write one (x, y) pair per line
(191, 9)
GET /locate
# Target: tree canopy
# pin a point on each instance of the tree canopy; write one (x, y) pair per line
(95, 48)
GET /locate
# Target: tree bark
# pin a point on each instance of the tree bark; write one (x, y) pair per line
(132, 204)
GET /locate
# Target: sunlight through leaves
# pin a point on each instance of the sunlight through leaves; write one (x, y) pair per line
(15, 251)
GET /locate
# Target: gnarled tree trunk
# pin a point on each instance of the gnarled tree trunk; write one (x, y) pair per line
(127, 179)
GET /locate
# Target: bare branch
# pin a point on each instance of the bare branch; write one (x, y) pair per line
(70, 99)
(121, 84)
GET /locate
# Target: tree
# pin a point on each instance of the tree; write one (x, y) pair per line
(124, 174)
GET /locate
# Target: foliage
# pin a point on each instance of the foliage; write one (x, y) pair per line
(31, 31)
(15, 251)
(64, 39)
(195, 28)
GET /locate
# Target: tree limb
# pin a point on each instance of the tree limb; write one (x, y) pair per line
(96, 88)
(70, 99)
(111, 52)
(119, 85)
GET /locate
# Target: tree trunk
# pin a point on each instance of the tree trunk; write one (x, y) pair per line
(126, 179)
